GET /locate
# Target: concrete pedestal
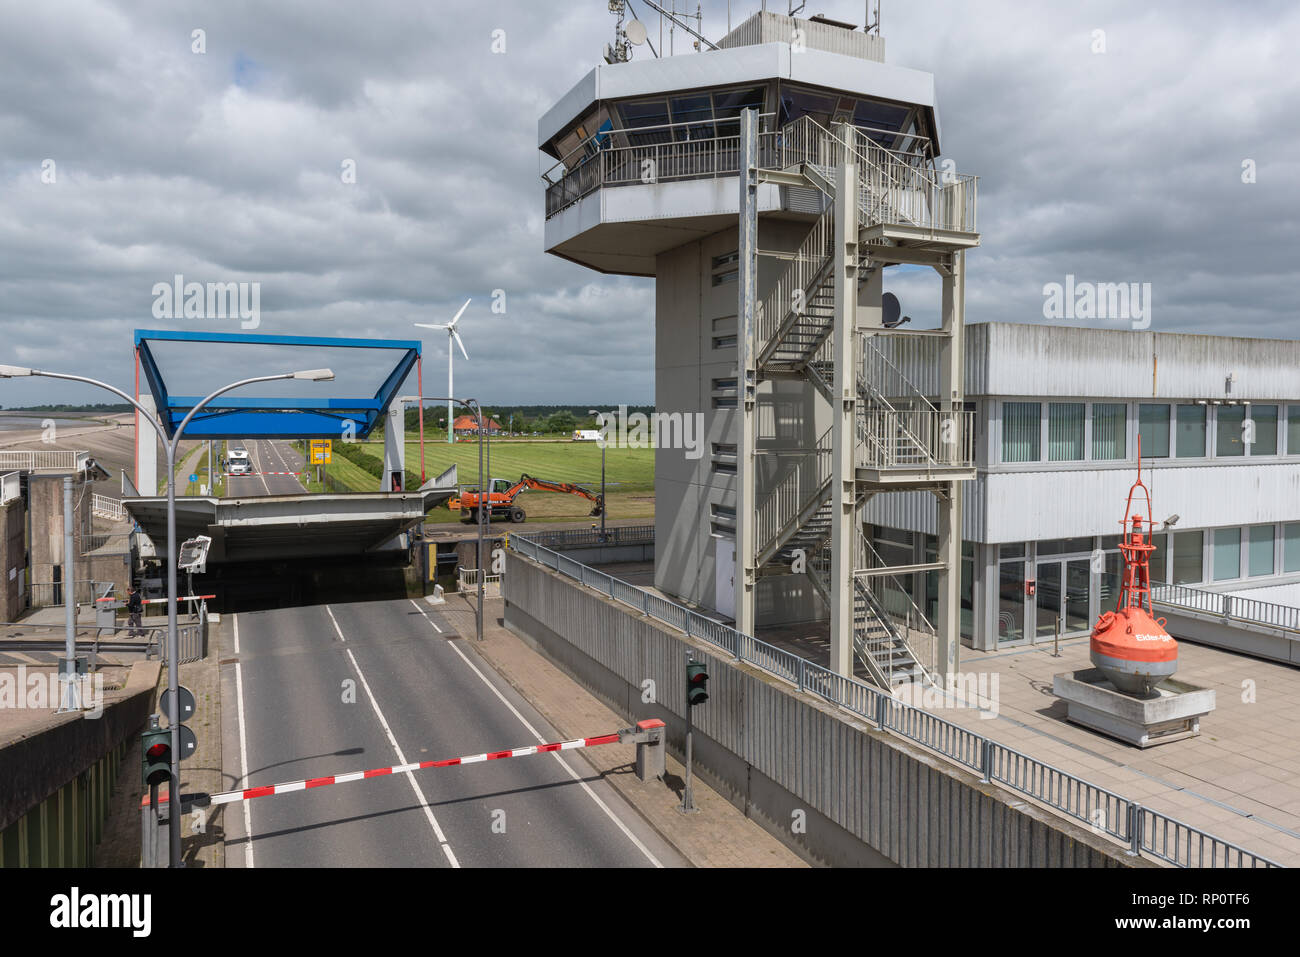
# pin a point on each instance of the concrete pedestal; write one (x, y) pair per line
(1173, 713)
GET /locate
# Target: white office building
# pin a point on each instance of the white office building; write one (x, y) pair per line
(1061, 411)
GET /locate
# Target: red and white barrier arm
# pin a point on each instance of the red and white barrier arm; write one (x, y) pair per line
(247, 794)
(249, 474)
(179, 598)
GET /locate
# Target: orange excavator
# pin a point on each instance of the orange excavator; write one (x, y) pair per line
(503, 492)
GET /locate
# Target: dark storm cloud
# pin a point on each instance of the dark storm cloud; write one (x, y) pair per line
(225, 167)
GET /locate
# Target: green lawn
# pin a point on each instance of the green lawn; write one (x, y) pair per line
(562, 461)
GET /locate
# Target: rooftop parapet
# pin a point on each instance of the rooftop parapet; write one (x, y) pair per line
(817, 33)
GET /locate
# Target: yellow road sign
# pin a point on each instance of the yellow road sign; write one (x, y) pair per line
(321, 452)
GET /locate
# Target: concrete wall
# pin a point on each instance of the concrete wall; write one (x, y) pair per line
(13, 559)
(690, 312)
(867, 798)
(46, 505)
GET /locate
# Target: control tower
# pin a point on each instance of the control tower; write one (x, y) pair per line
(767, 183)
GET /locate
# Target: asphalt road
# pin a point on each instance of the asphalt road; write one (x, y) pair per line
(348, 687)
(267, 455)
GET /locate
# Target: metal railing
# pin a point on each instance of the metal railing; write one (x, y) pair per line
(801, 488)
(10, 487)
(580, 537)
(787, 299)
(57, 460)
(915, 438)
(1227, 605)
(109, 508)
(1142, 830)
(51, 594)
(904, 189)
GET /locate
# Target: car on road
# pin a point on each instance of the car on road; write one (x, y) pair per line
(240, 466)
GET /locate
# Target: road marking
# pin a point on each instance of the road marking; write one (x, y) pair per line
(401, 758)
(540, 740)
(243, 750)
(336, 624)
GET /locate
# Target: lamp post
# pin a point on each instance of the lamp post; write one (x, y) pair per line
(604, 505)
(173, 642)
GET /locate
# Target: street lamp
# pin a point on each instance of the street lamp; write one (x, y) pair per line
(604, 505)
(173, 642)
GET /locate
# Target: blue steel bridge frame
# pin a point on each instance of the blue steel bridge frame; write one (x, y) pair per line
(244, 416)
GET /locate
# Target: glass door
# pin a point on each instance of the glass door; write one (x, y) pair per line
(1062, 592)
(1048, 599)
(1011, 602)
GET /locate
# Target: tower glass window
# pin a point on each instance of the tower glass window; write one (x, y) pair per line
(1189, 557)
(1260, 551)
(1293, 430)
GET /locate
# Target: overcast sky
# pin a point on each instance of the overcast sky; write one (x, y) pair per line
(225, 166)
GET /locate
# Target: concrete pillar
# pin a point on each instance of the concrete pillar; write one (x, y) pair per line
(395, 446)
(843, 418)
(146, 450)
(746, 572)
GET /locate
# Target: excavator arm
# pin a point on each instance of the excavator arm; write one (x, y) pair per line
(542, 485)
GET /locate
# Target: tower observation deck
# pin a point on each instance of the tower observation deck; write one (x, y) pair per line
(767, 185)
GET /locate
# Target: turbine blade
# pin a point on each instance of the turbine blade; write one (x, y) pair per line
(459, 314)
(456, 335)
(429, 325)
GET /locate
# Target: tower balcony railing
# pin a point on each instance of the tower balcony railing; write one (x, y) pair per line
(915, 439)
(681, 151)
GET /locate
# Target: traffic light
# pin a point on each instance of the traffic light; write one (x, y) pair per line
(697, 683)
(156, 749)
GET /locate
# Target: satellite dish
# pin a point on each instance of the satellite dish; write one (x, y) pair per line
(635, 33)
(890, 310)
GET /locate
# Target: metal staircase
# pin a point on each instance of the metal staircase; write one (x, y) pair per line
(898, 427)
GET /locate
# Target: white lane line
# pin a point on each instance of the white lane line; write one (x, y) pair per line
(541, 740)
(401, 758)
(243, 751)
(336, 624)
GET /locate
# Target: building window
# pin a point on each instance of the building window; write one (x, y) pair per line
(724, 332)
(724, 342)
(1227, 554)
(1189, 440)
(1228, 431)
(1158, 559)
(1189, 557)
(1021, 431)
(1064, 546)
(1265, 437)
(1259, 554)
(1065, 431)
(1153, 431)
(726, 268)
(1291, 547)
(724, 393)
(724, 458)
(1293, 430)
(1109, 430)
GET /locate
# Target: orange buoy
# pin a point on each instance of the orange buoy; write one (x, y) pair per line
(1130, 645)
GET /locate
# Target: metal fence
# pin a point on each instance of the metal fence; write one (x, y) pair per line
(1234, 607)
(1142, 830)
(109, 508)
(192, 635)
(585, 537)
(10, 487)
(51, 594)
(58, 460)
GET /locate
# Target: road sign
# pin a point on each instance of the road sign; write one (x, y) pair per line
(189, 743)
(322, 452)
(186, 701)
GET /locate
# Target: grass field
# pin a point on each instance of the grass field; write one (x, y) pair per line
(629, 474)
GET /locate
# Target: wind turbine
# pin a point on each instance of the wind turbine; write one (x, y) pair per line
(451, 334)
